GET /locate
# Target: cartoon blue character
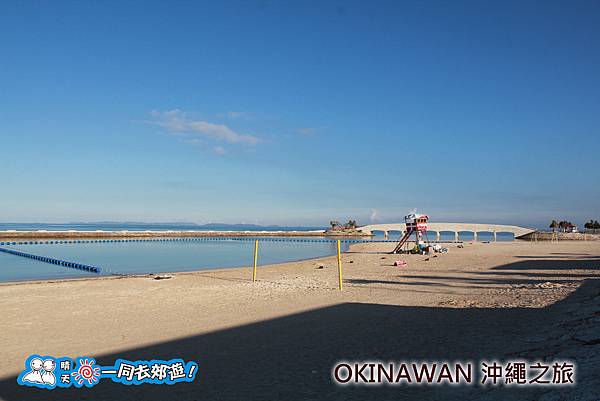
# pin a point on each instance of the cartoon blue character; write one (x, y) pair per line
(39, 372)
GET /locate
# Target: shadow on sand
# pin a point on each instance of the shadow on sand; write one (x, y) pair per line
(526, 272)
(290, 358)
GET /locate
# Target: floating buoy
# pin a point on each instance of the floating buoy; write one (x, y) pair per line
(51, 260)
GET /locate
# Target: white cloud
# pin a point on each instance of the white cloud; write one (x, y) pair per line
(235, 115)
(219, 150)
(177, 122)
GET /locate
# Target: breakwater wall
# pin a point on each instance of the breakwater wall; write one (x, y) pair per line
(18, 235)
(549, 236)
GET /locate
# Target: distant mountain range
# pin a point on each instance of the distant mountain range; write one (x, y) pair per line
(133, 226)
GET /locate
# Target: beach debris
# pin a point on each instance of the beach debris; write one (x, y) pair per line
(548, 284)
(459, 303)
(383, 257)
(461, 246)
(321, 267)
(438, 248)
(426, 259)
(415, 250)
(351, 261)
(400, 263)
(162, 277)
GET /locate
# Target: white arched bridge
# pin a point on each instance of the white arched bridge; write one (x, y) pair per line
(455, 228)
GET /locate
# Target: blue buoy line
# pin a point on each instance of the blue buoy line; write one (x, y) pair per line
(65, 263)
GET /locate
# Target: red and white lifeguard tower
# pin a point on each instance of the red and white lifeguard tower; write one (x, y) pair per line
(415, 224)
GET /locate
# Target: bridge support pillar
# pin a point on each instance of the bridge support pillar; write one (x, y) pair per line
(456, 236)
(474, 236)
(386, 234)
(437, 236)
(495, 236)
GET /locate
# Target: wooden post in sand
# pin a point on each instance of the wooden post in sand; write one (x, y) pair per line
(339, 255)
(255, 259)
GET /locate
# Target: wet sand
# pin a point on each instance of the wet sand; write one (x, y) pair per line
(278, 338)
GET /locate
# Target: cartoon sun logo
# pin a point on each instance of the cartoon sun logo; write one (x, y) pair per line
(86, 372)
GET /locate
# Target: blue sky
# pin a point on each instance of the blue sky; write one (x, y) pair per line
(299, 112)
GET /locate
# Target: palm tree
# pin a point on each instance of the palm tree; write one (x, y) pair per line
(554, 225)
(351, 225)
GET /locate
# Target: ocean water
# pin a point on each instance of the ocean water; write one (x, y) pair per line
(173, 255)
(139, 257)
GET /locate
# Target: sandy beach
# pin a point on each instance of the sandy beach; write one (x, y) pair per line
(279, 337)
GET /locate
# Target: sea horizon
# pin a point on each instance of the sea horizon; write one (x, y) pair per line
(142, 226)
